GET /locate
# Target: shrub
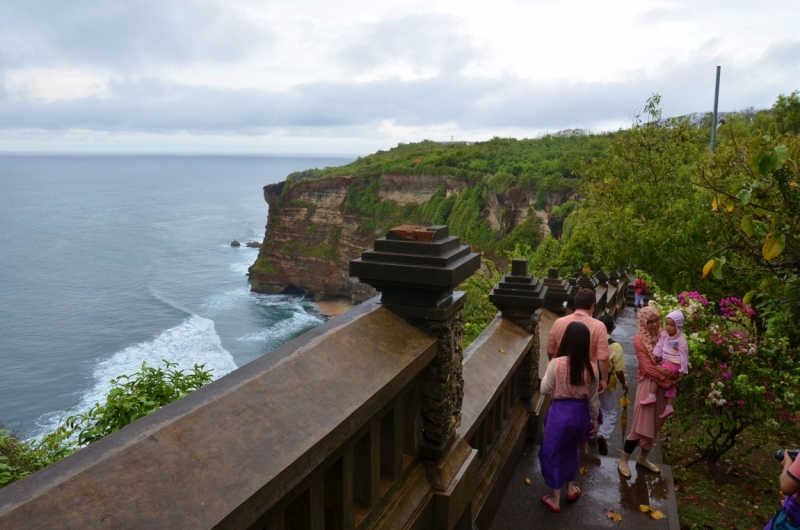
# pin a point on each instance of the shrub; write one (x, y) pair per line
(738, 377)
(131, 397)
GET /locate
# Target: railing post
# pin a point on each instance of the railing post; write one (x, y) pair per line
(415, 269)
(520, 297)
(560, 293)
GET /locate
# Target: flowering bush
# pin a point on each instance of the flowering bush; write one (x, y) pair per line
(737, 378)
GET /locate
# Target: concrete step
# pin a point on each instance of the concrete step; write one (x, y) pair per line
(603, 488)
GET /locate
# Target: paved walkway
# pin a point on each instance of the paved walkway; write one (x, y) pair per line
(603, 488)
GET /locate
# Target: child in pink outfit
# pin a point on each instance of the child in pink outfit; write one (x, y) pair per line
(672, 355)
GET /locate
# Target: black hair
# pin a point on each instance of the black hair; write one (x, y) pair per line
(608, 320)
(585, 299)
(575, 344)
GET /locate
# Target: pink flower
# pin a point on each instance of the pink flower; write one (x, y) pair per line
(741, 403)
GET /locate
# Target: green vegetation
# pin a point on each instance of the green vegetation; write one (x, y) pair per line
(548, 163)
(131, 397)
(262, 264)
(747, 494)
(321, 251)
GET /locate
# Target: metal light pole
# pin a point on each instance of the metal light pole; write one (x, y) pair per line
(714, 122)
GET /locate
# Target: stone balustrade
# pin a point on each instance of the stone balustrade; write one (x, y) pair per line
(376, 419)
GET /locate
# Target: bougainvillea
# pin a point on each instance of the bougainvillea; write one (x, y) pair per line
(742, 377)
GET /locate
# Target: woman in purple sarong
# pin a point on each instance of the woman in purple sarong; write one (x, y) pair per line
(572, 381)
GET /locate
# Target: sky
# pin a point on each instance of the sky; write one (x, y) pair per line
(353, 76)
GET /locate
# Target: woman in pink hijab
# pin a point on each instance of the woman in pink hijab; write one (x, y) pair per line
(646, 418)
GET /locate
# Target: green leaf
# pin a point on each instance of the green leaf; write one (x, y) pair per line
(773, 246)
(747, 225)
(748, 298)
(765, 165)
(716, 270)
(791, 291)
(781, 155)
(744, 195)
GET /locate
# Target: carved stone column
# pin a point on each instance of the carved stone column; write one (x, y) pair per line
(560, 293)
(519, 297)
(416, 269)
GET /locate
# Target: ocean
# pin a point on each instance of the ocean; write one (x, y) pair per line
(108, 261)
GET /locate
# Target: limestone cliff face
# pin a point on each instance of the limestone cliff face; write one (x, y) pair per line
(312, 233)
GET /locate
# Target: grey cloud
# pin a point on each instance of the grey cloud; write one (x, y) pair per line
(508, 102)
(423, 41)
(122, 35)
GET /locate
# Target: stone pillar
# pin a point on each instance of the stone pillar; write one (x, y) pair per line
(560, 294)
(519, 297)
(415, 269)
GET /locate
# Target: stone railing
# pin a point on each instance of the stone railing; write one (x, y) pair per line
(611, 292)
(376, 419)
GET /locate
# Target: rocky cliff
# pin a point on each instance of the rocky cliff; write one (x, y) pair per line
(315, 227)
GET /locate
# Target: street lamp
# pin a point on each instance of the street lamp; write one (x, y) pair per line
(715, 124)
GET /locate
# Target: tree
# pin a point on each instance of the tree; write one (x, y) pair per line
(641, 208)
(755, 198)
(787, 113)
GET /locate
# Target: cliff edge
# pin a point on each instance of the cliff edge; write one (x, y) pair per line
(316, 226)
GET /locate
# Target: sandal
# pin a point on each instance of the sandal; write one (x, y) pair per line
(577, 494)
(626, 474)
(550, 506)
(651, 467)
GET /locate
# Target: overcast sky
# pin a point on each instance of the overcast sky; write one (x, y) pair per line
(350, 76)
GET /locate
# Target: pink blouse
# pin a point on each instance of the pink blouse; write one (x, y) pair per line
(556, 383)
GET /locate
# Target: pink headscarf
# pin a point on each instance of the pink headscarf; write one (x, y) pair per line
(677, 317)
(648, 339)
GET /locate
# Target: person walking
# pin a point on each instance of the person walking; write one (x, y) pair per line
(608, 399)
(572, 380)
(639, 291)
(647, 420)
(598, 352)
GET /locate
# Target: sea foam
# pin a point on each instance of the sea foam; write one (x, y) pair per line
(194, 341)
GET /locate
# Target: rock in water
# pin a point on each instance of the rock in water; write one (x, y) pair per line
(235, 243)
(253, 244)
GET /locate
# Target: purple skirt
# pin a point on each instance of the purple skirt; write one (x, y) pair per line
(565, 429)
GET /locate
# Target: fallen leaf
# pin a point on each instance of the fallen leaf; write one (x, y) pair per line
(528, 482)
(656, 514)
(502, 351)
(721, 504)
(614, 516)
(582, 470)
(644, 508)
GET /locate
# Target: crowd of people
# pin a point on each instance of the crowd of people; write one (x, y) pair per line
(585, 367)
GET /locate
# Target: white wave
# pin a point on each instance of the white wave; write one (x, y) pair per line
(194, 341)
(227, 300)
(241, 267)
(284, 330)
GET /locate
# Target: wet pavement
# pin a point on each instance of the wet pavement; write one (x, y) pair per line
(602, 486)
